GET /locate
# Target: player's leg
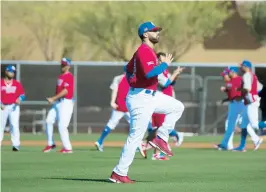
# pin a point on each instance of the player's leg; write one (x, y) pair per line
(233, 111)
(173, 110)
(52, 116)
(253, 116)
(230, 145)
(4, 116)
(141, 107)
(65, 110)
(243, 125)
(14, 127)
(112, 123)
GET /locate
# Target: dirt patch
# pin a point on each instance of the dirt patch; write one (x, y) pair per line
(120, 144)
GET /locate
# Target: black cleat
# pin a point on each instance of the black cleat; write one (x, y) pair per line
(15, 149)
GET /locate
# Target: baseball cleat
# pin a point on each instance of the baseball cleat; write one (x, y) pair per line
(48, 148)
(142, 150)
(98, 146)
(159, 157)
(161, 145)
(15, 149)
(257, 145)
(65, 151)
(219, 147)
(180, 139)
(115, 178)
(239, 149)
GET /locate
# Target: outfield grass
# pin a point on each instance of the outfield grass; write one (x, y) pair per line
(203, 170)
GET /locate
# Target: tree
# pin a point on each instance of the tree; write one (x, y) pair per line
(45, 20)
(256, 19)
(14, 48)
(114, 26)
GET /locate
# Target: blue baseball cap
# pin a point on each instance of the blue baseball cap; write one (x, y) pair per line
(11, 68)
(234, 69)
(65, 61)
(246, 63)
(147, 26)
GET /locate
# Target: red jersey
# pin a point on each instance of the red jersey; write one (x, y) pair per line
(66, 80)
(10, 92)
(142, 62)
(233, 87)
(123, 88)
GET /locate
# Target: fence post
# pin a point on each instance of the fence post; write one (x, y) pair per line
(193, 83)
(18, 70)
(203, 106)
(75, 129)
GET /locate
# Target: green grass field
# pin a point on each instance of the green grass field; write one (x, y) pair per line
(203, 170)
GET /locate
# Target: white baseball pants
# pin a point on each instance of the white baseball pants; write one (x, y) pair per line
(116, 116)
(250, 120)
(141, 104)
(61, 112)
(11, 112)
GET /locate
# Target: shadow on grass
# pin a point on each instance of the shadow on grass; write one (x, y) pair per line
(79, 179)
(88, 180)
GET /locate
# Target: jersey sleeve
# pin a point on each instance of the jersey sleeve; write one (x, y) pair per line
(20, 90)
(247, 81)
(115, 82)
(162, 80)
(147, 60)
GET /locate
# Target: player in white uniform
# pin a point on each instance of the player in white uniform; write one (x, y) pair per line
(250, 115)
(117, 112)
(119, 89)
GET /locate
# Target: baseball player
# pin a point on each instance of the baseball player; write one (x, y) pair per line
(226, 78)
(250, 115)
(143, 100)
(119, 89)
(165, 85)
(12, 94)
(62, 108)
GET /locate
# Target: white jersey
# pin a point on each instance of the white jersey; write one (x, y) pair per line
(162, 80)
(247, 79)
(116, 82)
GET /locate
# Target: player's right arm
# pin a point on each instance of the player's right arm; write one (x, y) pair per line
(114, 88)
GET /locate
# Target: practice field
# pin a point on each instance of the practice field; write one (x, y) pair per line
(196, 167)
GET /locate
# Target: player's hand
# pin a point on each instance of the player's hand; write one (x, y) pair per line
(18, 102)
(50, 100)
(2, 107)
(167, 59)
(222, 89)
(113, 105)
(179, 70)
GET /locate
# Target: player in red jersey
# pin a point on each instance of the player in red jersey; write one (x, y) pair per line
(12, 93)
(62, 108)
(119, 89)
(143, 100)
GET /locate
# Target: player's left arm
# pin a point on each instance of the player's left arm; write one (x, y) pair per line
(20, 93)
